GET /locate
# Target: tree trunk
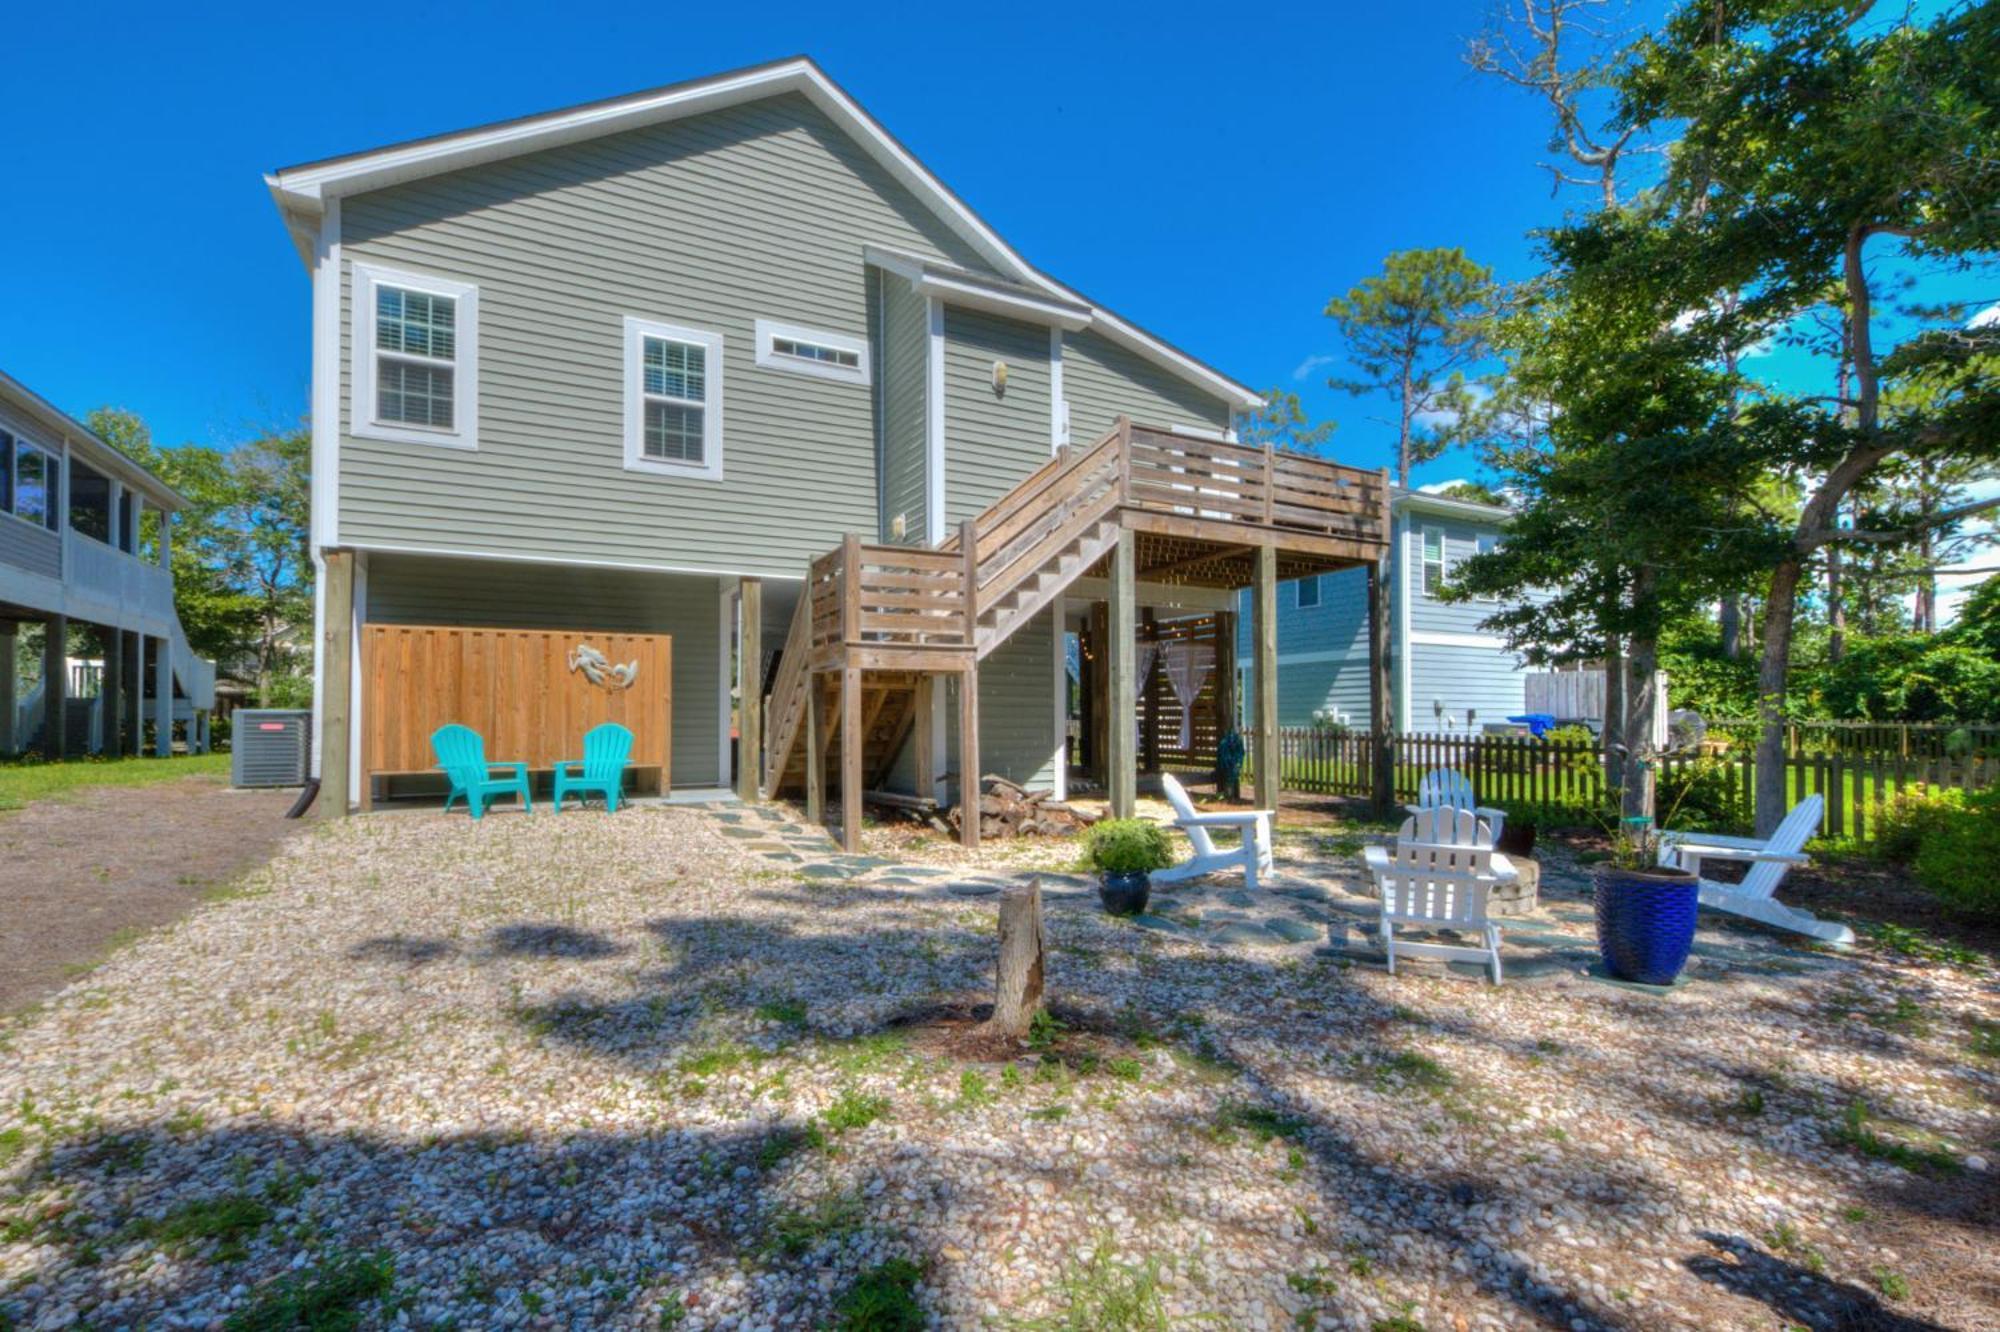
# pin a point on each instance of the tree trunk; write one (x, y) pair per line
(1779, 612)
(1017, 995)
(1836, 606)
(1731, 618)
(1642, 686)
(1613, 730)
(1926, 608)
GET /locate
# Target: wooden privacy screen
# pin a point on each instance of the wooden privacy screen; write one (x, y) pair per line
(513, 686)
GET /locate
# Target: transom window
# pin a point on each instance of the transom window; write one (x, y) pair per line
(1434, 561)
(673, 399)
(416, 367)
(808, 351)
(1308, 591)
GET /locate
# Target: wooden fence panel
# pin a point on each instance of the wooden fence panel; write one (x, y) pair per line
(513, 686)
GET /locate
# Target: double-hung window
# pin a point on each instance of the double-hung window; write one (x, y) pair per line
(673, 399)
(1434, 561)
(1487, 543)
(416, 376)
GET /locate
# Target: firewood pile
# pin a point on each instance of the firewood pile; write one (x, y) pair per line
(1007, 809)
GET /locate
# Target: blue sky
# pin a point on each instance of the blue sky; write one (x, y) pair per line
(1214, 181)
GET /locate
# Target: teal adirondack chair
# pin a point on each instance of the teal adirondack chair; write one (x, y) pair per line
(602, 767)
(462, 755)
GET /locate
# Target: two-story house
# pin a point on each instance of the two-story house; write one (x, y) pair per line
(1447, 673)
(72, 530)
(723, 362)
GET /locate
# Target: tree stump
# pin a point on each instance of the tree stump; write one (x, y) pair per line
(1017, 996)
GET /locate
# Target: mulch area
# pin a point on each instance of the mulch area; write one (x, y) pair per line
(80, 877)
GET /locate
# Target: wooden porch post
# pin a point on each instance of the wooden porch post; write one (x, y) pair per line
(1264, 623)
(1225, 673)
(750, 690)
(1149, 751)
(55, 688)
(1099, 695)
(1381, 715)
(1121, 760)
(815, 724)
(969, 784)
(336, 684)
(923, 735)
(111, 692)
(850, 759)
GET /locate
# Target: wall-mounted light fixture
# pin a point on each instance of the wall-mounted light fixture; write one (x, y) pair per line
(999, 376)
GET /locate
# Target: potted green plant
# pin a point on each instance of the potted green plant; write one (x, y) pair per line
(1125, 852)
(1645, 910)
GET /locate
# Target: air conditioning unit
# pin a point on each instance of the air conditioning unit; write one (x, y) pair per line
(270, 746)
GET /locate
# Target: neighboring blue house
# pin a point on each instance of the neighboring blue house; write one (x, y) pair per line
(1446, 673)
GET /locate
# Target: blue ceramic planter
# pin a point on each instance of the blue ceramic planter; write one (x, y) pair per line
(1124, 893)
(1645, 922)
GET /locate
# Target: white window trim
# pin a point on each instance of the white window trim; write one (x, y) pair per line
(770, 329)
(1424, 560)
(637, 330)
(55, 486)
(362, 424)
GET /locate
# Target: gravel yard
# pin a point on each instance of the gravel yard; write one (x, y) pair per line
(690, 1068)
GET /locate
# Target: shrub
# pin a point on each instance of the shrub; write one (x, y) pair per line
(1698, 797)
(1122, 846)
(1902, 823)
(1956, 858)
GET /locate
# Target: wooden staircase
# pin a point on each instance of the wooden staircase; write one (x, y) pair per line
(886, 617)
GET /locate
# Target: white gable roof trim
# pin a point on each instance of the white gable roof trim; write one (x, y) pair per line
(301, 192)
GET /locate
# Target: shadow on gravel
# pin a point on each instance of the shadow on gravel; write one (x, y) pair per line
(1797, 1294)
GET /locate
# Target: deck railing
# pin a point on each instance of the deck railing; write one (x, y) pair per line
(903, 596)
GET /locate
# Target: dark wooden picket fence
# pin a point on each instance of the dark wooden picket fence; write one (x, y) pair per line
(1565, 779)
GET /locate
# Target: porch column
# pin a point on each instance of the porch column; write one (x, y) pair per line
(1381, 715)
(336, 683)
(1264, 631)
(163, 699)
(923, 736)
(55, 688)
(815, 724)
(851, 740)
(1097, 695)
(969, 785)
(9, 686)
(166, 538)
(134, 701)
(1149, 749)
(1225, 683)
(750, 690)
(111, 692)
(1121, 760)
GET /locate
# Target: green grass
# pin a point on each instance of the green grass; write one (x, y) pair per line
(228, 1222)
(882, 1299)
(326, 1297)
(1853, 1131)
(1104, 1294)
(24, 781)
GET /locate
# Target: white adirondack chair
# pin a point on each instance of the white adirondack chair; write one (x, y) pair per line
(1447, 788)
(1253, 855)
(1437, 878)
(1755, 897)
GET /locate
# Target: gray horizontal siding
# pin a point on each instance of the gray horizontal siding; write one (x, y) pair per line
(756, 211)
(30, 546)
(903, 390)
(1102, 381)
(1460, 543)
(406, 589)
(992, 438)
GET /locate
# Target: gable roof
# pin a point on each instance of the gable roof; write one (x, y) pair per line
(301, 191)
(84, 444)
